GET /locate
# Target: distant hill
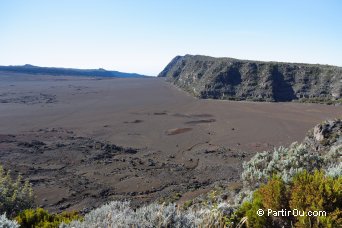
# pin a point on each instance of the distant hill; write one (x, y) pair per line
(233, 79)
(30, 69)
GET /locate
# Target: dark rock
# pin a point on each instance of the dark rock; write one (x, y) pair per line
(224, 197)
(233, 79)
(150, 162)
(64, 207)
(58, 145)
(33, 143)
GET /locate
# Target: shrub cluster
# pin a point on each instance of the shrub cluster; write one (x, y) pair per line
(41, 218)
(15, 195)
(119, 214)
(333, 161)
(287, 162)
(305, 192)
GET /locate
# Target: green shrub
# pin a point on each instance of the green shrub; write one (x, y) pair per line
(187, 204)
(251, 208)
(316, 192)
(272, 195)
(41, 218)
(305, 192)
(15, 195)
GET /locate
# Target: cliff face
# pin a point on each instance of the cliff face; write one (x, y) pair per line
(227, 78)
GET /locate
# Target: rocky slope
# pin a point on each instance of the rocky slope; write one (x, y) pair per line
(233, 79)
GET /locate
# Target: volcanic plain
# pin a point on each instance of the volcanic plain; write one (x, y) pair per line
(84, 141)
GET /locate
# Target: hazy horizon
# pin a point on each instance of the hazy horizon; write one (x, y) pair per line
(142, 37)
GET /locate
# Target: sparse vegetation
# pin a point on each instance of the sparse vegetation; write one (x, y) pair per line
(286, 179)
(305, 192)
(15, 194)
(187, 204)
(172, 198)
(296, 183)
(321, 100)
(299, 177)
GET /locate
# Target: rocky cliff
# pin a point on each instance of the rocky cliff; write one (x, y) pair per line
(233, 79)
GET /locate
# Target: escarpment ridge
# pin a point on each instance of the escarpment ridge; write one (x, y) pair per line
(233, 79)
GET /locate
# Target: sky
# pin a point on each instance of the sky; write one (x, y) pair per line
(143, 36)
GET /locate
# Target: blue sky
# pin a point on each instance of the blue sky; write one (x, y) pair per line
(144, 35)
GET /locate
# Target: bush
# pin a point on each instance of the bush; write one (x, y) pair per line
(315, 192)
(41, 218)
(6, 223)
(120, 214)
(334, 170)
(305, 192)
(287, 162)
(272, 195)
(248, 213)
(333, 161)
(15, 195)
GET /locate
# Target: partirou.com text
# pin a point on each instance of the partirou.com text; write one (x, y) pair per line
(286, 213)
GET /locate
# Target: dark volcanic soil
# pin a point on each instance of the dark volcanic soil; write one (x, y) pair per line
(84, 141)
(70, 172)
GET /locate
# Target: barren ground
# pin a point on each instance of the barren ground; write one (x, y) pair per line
(85, 141)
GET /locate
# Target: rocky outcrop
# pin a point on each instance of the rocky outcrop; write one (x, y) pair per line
(325, 135)
(233, 79)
